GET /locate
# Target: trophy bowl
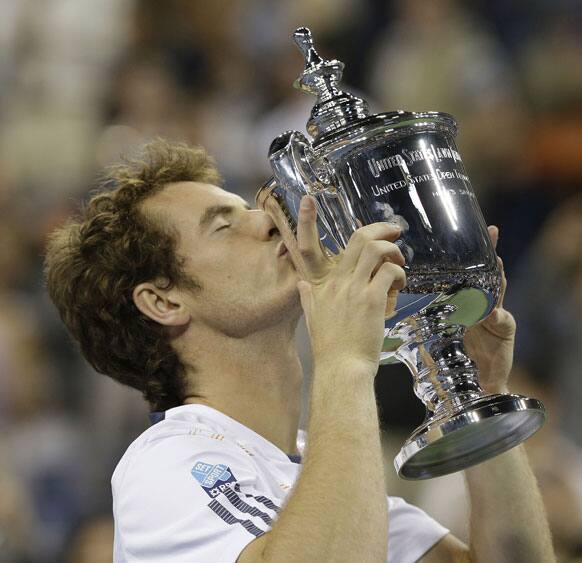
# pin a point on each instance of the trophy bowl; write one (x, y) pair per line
(404, 167)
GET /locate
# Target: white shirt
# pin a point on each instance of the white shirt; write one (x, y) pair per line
(199, 486)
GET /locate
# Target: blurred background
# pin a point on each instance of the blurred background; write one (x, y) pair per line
(83, 81)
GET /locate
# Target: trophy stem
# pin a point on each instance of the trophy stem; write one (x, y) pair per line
(444, 377)
(463, 424)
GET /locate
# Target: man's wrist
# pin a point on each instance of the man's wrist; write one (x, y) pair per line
(344, 367)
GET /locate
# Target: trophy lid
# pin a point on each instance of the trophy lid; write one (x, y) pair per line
(334, 108)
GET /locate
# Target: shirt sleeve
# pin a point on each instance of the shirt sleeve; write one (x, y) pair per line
(189, 498)
(411, 532)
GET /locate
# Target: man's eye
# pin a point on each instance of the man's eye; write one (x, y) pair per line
(222, 227)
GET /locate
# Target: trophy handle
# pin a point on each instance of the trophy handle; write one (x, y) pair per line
(295, 165)
(298, 171)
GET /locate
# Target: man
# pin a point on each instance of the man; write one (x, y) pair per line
(181, 290)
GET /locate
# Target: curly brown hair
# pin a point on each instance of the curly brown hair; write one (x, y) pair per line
(94, 262)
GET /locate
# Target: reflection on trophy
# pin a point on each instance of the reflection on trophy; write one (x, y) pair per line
(404, 167)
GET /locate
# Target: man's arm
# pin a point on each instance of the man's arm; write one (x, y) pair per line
(333, 515)
(508, 520)
(337, 511)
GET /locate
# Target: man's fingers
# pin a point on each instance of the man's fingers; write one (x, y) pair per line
(376, 231)
(503, 283)
(308, 235)
(493, 234)
(389, 276)
(373, 255)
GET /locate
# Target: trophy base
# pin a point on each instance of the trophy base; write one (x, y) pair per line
(480, 430)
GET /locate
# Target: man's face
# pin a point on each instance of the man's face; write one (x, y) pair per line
(235, 253)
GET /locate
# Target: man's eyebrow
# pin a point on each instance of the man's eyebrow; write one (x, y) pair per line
(214, 211)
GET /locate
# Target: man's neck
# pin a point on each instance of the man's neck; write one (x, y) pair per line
(254, 380)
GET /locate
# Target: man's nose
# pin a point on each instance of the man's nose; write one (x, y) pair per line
(264, 225)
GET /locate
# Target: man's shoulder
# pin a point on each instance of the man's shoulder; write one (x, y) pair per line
(171, 441)
(194, 476)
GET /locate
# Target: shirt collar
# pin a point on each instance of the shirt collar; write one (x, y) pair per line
(242, 432)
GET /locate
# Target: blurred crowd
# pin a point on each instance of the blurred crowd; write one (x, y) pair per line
(82, 82)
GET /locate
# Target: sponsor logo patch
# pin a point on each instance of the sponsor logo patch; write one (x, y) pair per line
(214, 479)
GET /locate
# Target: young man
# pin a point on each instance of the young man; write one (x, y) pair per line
(178, 288)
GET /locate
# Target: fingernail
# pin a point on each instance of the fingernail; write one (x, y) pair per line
(305, 202)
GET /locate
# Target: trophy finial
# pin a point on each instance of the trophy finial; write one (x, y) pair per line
(304, 40)
(334, 107)
(320, 76)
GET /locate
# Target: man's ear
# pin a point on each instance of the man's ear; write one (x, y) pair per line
(161, 305)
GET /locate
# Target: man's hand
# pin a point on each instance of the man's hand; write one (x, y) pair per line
(344, 300)
(490, 343)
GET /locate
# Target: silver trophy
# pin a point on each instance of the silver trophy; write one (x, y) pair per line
(404, 167)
